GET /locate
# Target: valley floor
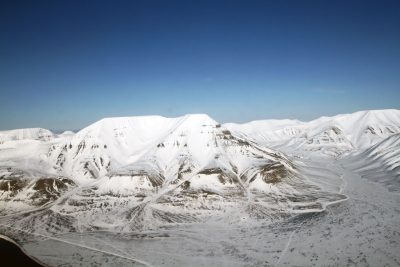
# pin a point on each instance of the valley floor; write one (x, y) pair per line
(363, 230)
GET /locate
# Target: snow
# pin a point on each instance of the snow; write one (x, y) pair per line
(123, 185)
(381, 162)
(26, 134)
(188, 191)
(330, 136)
(66, 134)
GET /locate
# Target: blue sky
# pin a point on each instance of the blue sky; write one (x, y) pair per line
(66, 64)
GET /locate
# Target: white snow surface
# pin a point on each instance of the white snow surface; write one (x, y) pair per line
(26, 134)
(188, 191)
(346, 132)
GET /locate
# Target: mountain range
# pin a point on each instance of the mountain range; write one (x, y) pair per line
(133, 173)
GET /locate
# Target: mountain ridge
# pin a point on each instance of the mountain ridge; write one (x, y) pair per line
(226, 123)
(131, 173)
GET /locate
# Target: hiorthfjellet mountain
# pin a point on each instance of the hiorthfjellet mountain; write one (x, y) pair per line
(189, 191)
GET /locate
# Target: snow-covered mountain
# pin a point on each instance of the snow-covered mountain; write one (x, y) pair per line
(247, 189)
(140, 172)
(326, 135)
(381, 162)
(26, 134)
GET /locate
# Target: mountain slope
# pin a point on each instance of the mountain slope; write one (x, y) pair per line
(26, 134)
(381, 162)
(158, 189)
(135, 172)
(326, 135)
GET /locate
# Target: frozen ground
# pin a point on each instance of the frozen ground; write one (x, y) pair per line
(188, 191)
(363, 230)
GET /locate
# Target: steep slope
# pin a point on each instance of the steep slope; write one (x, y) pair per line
(19, 191)
(388, 152)
(146, 187)
(331, 136)
(138, 172)
(115, 144)
(381, 162)
(267, 130)
(89, 153)
(365, 128)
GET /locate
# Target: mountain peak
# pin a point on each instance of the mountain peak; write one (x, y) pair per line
(200, 118)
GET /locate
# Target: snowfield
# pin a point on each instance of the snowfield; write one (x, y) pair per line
(188, 191)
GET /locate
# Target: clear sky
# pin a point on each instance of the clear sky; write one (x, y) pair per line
(66, 64)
